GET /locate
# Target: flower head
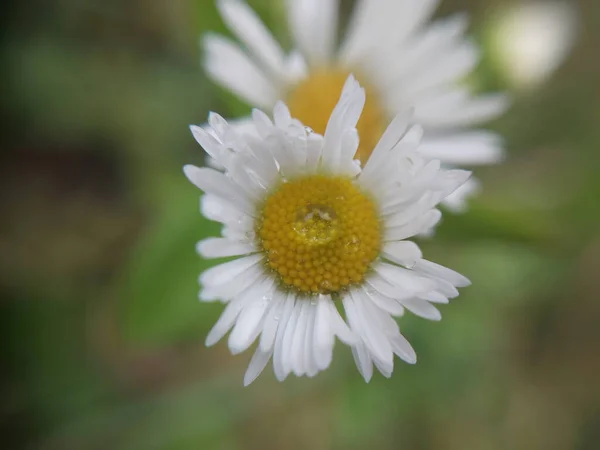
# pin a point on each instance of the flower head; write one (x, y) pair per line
(401, 60)
(311, 231)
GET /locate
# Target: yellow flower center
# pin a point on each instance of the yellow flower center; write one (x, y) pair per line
(313, 100)
(319, 233)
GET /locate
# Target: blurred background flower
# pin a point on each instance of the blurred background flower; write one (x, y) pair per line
(103, 336)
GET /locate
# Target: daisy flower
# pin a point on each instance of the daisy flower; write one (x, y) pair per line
(401, 60)
(312, 232)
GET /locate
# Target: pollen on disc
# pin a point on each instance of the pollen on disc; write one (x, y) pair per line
(312, 100)
(319, 234)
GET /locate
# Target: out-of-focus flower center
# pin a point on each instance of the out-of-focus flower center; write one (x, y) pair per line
(312, 100)
(319, 234)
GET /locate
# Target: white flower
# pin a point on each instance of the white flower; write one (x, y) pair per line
(531, 40)
(311, 230)
(403, 62)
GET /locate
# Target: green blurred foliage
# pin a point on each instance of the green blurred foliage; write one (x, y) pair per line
(104, 333)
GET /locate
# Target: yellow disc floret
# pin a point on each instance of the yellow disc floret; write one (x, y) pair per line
(312, 100)
(319, 233)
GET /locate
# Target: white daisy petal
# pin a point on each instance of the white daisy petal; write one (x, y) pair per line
(281, 306)
(288, 339)
(323, 335)
(249, 322)
(310, 361)
(225, 322)
(363, 361)
(477, 147)
(280, 352)
(298, 340)
(223, 247)
(422, 309)
(403, 349)
(257, 364)
(213, 182)
(249, 29)
(214, 208)
(387, 304)
(228, 290)
(434, 297)
(339, 327)
(442, 272)
(407, 279)
(402, 252)
(227, 272)
(314, 26)
(229, 66)
(477, 110)
(457, 201)
(371, 335)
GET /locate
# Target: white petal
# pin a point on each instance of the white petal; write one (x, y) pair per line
(262, 122)
(406, 279)
(442, 272)
(338, 326)
(323, 335)
(387, 289)
(385, 369)
(343, 117)
(456, 202)
(434, 297)
(363, 361)
(477, 110)
(208, 142)
(373, 337)
(249, 29)
(314, 26)
(393, 134)
(403, 349)
(377, 22)
(229, 66)
(288, 338)
(422, 309)
(402, 252)
(231, 287)
(280, 351)
(310, 362)
(472, 148)
(280, 307)
(419, 52)
(214, 208)
(249, 322)
(227, 272)
(223, 247)
(387, 304)
(298, 341)
(447, 68)
(216, 183)
(225, 321)
(257, 364)
(416, 226)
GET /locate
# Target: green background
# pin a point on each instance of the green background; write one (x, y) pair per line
(102, 334)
